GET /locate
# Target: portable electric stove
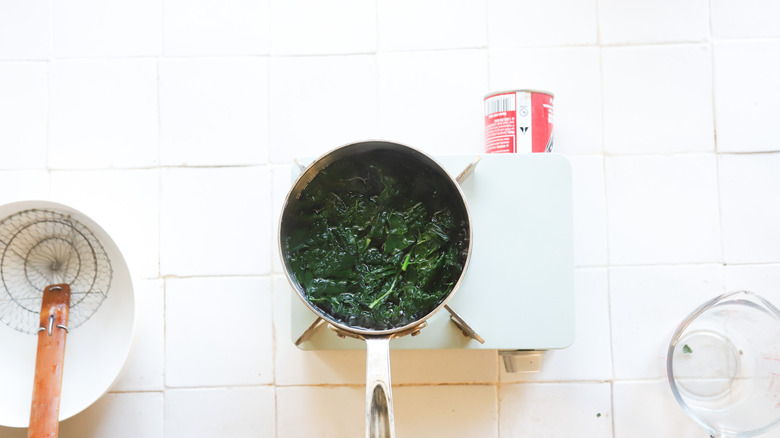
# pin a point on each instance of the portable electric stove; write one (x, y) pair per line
(517, 296)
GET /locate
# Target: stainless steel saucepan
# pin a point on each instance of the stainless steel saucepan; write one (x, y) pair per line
(379, 405)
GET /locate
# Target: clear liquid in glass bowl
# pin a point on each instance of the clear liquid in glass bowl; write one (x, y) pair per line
(723, 365)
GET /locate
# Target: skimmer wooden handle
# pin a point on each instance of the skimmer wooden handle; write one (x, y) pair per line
(44, 413)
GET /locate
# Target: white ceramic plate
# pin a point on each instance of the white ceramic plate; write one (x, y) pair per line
(94, 352)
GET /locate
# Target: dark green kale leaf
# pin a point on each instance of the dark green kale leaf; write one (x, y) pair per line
(375, 246)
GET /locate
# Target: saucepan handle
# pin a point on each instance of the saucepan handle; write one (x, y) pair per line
(379, 396)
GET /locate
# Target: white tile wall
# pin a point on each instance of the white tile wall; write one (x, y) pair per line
(205, 212)
(657, 99)
(748, 19)
(432, 99)
(144, 369)
(311, 27)
(85, 28)
(431, 25)
(550, 23)
(125, 415)
(556, 409)
(746, 181)
(211, 111)
(659, 415)
(640, 22)
(23, 111)
(759, 278)
(746, 96)
(324, 411)
(578, 96)
(320, 102)
(662, 209)
(174, 125)
(215, 28)
(469, 411)
(646, 305)
(27, 184)
(25, 32)
(590, 210)
(228, 412)
(103, 113)
(205, 327)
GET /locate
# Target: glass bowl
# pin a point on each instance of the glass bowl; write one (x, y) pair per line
(723, 365)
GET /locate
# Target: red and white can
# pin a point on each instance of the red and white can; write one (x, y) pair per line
(519, 121)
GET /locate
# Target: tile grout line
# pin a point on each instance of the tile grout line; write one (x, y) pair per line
(165, 349)
(499, 385)
(159, 179)
(161, 277)
(48, 96)
(608, 265)
(377, 72)
(716, 150)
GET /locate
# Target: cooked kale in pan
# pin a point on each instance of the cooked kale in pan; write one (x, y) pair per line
(378, 241)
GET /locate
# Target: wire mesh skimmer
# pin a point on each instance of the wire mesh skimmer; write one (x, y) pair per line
(39, 248)
(55, 274)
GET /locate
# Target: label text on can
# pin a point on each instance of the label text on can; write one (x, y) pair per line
(519, 121)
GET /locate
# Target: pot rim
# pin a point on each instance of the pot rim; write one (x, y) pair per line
(310, 172)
